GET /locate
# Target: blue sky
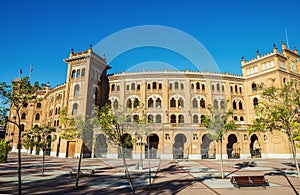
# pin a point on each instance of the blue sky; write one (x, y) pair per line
(42, 33)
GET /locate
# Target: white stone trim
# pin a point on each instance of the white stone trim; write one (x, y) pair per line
(114, 156)
(62, 155)
(166, 156)
(195, 156)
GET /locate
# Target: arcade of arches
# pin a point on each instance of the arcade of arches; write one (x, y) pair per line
(192, 145)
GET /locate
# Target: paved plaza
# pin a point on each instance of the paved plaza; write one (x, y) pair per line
(167, 176)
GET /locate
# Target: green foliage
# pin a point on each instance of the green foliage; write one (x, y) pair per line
(115, 123)
(39, 137)
(19, 94)
(278, 109)
(4, 150)
(219, 121)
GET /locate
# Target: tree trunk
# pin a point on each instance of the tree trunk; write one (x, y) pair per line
(221, 158)
(79, 165)
(126, 171)
(294, 153)
(19, 164)
(141, 156)
(43, 164)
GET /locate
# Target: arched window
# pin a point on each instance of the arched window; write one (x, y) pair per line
(240, 89)
(202, 118)
(181, 118)
(54, 124)
(173, 118)
(73, 74)
(192, 86)
(57, 122)
(83, 72)
(22, 127)
(173, 102)
(159, 86)
(38, 105)
(223, 88)
(254, 87)
(76, 90)
(129, 103)
(154, 85)
(149, 86)
(213, 87)
(95, 93)
(241, 118)
(23, 116)
(75, 109)
(236, 88)
(127, 87)
(203, 86)
(132, 86)
(136, 118)
(78, 73)
(235, 118)
(150, 118)
(176, 85)
(240, 105)
(158, 118)
(195, 103)
(255, 103)
(216, 104)
(222, 104)
(25, 104)
(180, 103)
(158, 103)
(231, 88)
(136, 103)
(195, 119)
(181, 86)
(118, 87)
(50, 112)
(218, 87)
(202, 103)
(113, 86)
(138, 86)
(170, 86)
(115, 104)
(128, 118)
(197, 85)
(150, 103)
(234, 104)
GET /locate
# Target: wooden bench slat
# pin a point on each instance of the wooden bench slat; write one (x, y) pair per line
(249, 181)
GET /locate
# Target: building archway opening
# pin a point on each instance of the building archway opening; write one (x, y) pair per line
(255, 149)
(208, 150)
(178, 146)
(100, 147)
(233, 151)
(126, 144)
(152, 146)
(48, 147)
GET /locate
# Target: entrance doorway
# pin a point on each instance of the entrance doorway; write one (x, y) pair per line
(126, 145)
(71, 145)
(207, 151)
(151, 149)
(255, 149)
(100, 148)
(48, 148)
(178, 146)
(233, 151)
